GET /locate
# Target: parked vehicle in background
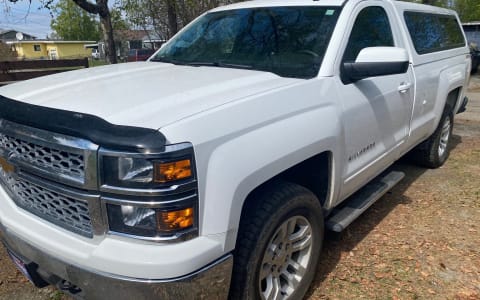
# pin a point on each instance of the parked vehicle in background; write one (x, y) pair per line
(475, 54)
(213, 169)
(95, 53)
(139, 54)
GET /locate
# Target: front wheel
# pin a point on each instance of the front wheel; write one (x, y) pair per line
(279, 244)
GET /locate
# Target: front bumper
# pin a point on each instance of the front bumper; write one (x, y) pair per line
(210, 282)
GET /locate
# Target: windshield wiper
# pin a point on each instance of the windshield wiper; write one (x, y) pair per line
(201, 63)
(218, 64)
(169, 61)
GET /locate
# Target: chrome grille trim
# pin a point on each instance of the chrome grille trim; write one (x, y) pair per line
(61, 158)
(149, 204)
(66, 209)
(175, 189)
(53, 160)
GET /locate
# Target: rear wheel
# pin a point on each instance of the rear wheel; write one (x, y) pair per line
(433, 152)
(279, 244)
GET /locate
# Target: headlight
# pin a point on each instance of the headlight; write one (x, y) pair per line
(134, 170)
(150, 222)
(146, 171)
(150, 195)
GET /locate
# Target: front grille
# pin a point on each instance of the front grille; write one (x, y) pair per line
(64, 211)
(46, 158)
(51, 174)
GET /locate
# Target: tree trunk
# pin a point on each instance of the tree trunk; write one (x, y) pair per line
(101, 9)
(107, 29)
(172, 17)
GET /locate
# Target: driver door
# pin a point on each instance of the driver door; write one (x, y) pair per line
(376, 110)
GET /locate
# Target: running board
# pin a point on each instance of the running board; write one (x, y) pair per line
(363, 199)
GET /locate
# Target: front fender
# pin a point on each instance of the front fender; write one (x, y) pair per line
(241, 145)
(240, 165)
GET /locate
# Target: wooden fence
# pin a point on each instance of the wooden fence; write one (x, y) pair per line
(12, 71)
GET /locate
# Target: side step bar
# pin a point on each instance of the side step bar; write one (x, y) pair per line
(363, 199)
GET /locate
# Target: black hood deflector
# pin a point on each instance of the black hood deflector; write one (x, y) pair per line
(82, 125)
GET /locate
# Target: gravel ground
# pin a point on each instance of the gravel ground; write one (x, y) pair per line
(420, 241)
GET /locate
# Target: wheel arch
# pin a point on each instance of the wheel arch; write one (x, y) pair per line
(453, 98)
(298, 173)
(450, 91)
(314, 174)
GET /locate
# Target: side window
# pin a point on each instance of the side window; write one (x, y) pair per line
(432, 32)
(371, 29)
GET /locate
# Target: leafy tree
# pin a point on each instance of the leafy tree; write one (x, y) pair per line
(166, 17)
(71, 22)
(149, 14)
(118, 22)
(468, 10)
(6, 52)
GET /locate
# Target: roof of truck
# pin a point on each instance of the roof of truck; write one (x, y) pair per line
(270, 3)
(422, 7)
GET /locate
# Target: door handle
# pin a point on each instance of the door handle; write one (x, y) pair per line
(404, 87)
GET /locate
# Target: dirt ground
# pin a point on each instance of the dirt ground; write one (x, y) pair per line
(420, 241)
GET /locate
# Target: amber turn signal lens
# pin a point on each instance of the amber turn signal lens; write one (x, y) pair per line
(175, 220)
(171, 171)
(6, 166)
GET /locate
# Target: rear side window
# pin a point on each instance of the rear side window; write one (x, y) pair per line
(371, 29)
(432, 32)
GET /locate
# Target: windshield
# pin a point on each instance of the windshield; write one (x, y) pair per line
(287, 41)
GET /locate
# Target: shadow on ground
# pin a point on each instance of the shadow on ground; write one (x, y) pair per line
(335, 244)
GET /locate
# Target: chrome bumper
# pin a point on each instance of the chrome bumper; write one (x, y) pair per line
(210, 282)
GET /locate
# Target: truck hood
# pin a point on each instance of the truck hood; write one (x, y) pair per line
(144, 94)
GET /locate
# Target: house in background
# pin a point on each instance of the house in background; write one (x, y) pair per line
(126, 40)
(50, 49)
(13, 35)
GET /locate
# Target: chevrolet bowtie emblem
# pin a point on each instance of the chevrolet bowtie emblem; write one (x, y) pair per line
(6, 166)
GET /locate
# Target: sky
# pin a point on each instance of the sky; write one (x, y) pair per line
(25, 17)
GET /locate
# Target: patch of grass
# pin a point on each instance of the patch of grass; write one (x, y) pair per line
(57, 295)
(96, 62)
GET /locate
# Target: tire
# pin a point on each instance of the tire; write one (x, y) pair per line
(265, 256)
(433, 152)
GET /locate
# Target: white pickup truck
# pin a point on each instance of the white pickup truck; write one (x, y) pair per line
(213, 169)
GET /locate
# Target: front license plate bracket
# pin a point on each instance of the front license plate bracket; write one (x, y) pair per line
(28, 269)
